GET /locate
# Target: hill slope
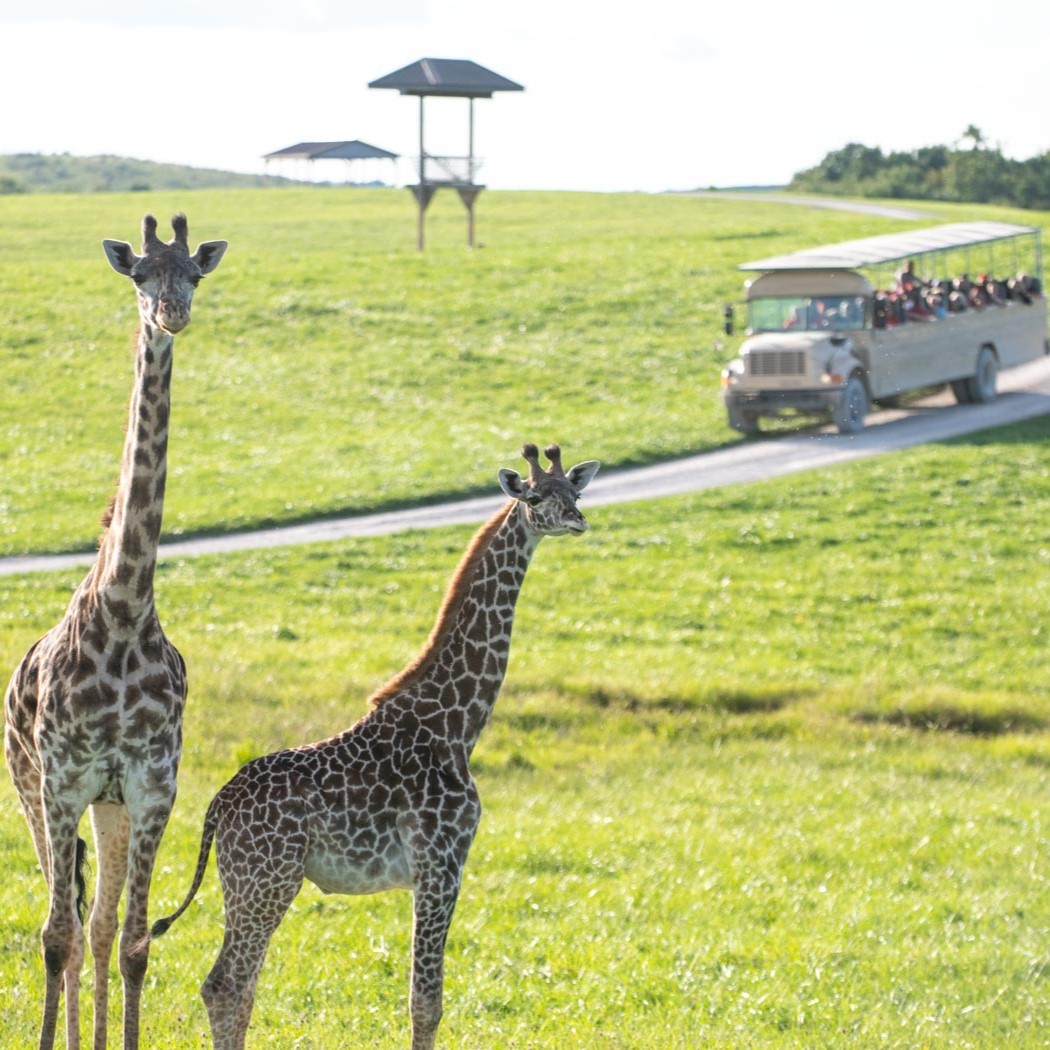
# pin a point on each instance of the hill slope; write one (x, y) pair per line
(64, 173)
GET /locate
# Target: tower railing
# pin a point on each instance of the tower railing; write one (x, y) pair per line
(450, 171)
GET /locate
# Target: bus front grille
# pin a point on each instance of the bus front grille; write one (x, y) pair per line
(777, 363)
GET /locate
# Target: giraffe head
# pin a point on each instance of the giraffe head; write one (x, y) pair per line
(549, 496)
(164, 274)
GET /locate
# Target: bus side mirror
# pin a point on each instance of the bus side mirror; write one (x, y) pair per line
(878, 314)
(727, 314)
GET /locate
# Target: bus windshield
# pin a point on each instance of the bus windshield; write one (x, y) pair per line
(841, 313)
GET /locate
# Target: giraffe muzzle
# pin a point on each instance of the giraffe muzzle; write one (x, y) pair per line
(171, 320)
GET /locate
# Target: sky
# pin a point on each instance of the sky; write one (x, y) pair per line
(619, 96)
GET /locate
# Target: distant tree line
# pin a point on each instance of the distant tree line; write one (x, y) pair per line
(969, 170)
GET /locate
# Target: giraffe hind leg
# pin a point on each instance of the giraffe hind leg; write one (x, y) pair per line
(229, 989)
(111, 830)
(256, 896)
(72, 986)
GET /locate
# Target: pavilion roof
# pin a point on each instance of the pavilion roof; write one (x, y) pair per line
(354, 149)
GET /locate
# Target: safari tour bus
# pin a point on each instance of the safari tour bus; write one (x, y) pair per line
(831, 330)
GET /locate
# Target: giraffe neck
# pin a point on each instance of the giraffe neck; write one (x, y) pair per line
(453, 684)
(123, 573)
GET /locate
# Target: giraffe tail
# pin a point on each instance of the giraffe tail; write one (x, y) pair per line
(211, 821)
(81, 880)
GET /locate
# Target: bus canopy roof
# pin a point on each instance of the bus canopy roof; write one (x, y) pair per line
(870, 251)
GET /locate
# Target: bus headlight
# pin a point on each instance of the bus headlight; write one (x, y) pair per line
(732, 373)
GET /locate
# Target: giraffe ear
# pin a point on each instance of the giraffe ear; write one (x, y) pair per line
(208, 255)
(582, 474)
(121, 256)
(511, 483)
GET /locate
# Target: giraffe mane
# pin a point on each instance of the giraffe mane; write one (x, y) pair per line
(454, 597)
(107, 515)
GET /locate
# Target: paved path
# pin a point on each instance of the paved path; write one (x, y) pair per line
(1024, 393)
(884, 211)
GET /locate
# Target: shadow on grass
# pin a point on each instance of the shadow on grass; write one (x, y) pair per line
(950, 718)
(735, 702)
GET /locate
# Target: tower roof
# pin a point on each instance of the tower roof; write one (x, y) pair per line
(452, 77)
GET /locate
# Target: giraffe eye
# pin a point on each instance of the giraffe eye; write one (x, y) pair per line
(139, 279)
(195, 280)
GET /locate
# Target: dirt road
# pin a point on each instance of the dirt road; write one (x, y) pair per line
(1024, 393)
(883, 211)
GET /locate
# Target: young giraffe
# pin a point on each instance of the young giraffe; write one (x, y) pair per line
(390, 802)
(94, 710)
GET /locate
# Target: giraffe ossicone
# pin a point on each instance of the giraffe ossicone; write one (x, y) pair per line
(94, 709)
(390, 802)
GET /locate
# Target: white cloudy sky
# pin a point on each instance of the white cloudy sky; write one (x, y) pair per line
(619, 96)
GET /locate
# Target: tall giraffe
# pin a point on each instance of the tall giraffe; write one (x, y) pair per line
(94, 710)
(390, 802)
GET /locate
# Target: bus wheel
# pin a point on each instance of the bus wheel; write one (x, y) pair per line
(983, 385)
(852, 406)
(744, 421)
(961, 390)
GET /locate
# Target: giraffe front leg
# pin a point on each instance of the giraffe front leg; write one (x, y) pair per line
(28, 783)
(59, 937)
(147, 823)
(62, 938)
(111, 831)
(434, 901)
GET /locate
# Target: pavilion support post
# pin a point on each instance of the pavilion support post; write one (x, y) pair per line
(470, 144)
(422, 151)
(468, 195)
(424, 195)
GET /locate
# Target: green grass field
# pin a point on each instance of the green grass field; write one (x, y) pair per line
(331, 368)
(771, 765)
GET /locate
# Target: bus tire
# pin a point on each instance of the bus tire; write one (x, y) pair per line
(852, 406)
(743, 420)
(961, 390)
(983, 384)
